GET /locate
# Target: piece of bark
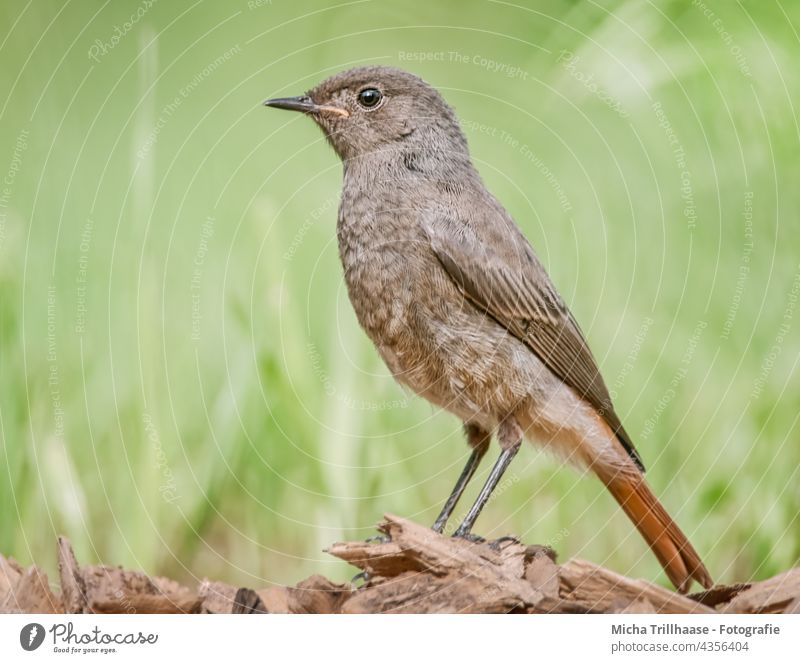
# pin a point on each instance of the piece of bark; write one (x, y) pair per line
(315, 595)
(413, 592)
(216, 597)
(13, 565)
(454, 574)
(114, 589)
(73, 587)
(640, 606)
(106, 583)
(247, 602)
(793, 608)
(275, 600)
(10, 573)
(718, 594)
(542, 573)
(769, 596)
(32, 594)
(535, 550)
(418, 571)
(148, 604)
(597, 588)
(318, 595)
(383, 559)
(414, 547)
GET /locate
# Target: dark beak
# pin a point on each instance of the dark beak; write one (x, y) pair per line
(304, 105)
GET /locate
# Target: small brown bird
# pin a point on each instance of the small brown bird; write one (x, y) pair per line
(458, 304)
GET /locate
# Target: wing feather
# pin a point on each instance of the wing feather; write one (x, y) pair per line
(497, 270)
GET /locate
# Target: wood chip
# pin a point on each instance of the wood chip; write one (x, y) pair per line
(32, 594)
(542, 573)
(318, 595)
(416, 571)
(769, 596)
(216, 598)
(639, 606)
(73, 587)
(247, 602)
(275, 600)
(10, 573)
(114, 589)
(793, 608)
(598, 588)
(718, 594)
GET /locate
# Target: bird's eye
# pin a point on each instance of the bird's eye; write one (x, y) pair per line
(370, 97)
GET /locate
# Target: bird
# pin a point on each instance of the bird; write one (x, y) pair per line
(460, 307)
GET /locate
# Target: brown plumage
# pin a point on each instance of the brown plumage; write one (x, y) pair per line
(458, 304)
(680, 561)
(676, 555)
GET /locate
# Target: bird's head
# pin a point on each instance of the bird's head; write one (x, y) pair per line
(370, 109)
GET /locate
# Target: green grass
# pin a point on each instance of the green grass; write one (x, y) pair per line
(239, 443)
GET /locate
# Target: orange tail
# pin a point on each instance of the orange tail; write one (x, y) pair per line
(681, 562)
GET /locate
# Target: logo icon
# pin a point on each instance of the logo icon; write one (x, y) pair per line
(31, 636)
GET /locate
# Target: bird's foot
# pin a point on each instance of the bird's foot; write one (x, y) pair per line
(379, 538)
(364, 575)
(496, 544)
(469, 536)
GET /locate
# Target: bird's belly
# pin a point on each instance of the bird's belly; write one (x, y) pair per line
(436, 342)
(463, 361)
(469, 365)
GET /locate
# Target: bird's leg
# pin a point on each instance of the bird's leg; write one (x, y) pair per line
(510, 437)
(478, 439)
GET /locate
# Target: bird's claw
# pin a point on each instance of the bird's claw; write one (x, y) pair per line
(364, 575)
(469, 536)
(495, 545)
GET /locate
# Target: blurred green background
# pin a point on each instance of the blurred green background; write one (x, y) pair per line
(183, 385)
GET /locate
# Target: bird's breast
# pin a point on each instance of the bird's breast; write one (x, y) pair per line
(382, 253)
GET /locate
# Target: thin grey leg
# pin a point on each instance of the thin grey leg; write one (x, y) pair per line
(510, 436)
(478, 439)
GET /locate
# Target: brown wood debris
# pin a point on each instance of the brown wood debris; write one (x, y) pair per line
(416, 571)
